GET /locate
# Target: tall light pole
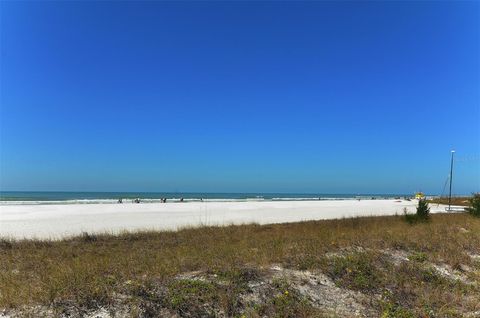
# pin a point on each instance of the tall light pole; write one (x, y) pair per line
(451, 177)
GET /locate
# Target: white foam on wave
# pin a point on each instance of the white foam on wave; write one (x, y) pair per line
(179, 199)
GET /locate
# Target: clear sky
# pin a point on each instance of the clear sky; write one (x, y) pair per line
(326, 97)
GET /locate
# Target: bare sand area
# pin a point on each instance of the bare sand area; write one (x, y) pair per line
(56, 221)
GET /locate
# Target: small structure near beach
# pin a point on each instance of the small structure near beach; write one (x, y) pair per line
(419, 195)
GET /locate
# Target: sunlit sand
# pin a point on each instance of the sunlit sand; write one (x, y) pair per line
(61, 220)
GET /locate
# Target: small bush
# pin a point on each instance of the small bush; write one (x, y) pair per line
(474, 208)
(423, 210)
(422, 215)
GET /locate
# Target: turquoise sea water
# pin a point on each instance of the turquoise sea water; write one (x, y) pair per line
(21, 197)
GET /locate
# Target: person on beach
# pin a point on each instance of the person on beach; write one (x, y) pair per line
(120, 200)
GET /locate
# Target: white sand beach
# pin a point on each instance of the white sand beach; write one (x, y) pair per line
(60, 220)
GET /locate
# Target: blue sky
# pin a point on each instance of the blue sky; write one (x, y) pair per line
(326, 97)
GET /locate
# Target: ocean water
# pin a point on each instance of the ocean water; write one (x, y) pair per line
(21, 197)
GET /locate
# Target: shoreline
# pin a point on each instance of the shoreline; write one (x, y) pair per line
(189, 197)
(57, 221)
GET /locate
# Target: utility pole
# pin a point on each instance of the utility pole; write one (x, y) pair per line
(451, 177)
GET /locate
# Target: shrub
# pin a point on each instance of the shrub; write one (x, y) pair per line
(422, 215)
(474, 208)
(423, 210)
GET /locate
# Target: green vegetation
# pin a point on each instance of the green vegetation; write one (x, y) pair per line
(422, 214)
(285, 302)
(423, 210)
(190, 295)
(393, 310)
(356, 271)
(474, 208)
(418, 257)
(155, 271)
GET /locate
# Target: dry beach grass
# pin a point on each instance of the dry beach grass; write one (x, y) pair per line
(386, 266)
(460, 201)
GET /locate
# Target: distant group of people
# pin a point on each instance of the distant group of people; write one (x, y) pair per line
(163, 200)
(137, 200)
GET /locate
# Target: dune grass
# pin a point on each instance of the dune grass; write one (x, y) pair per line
(460, 201)
(90, 270)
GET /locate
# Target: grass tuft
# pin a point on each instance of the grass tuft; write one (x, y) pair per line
(88, 238)
(356, 271)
